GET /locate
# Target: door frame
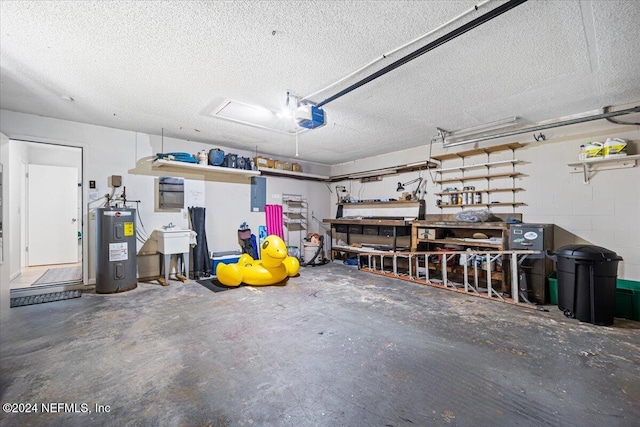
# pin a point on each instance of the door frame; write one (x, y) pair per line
(82, 201)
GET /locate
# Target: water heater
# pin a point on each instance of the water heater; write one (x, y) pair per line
(116, 269)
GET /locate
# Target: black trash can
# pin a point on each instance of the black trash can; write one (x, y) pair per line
(587, 277)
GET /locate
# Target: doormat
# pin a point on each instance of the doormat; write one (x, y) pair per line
(42, 298)
(215, 286)
(60, 275)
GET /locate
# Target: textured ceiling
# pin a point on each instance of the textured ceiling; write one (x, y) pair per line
(148, 66)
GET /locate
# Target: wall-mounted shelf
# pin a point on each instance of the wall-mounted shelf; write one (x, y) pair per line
(292, 174)
(488, 190)
(593, 165)
(480, 165)
(478, 151)
(494, 169)
(483, 204)
(476, 177)
(218, 172)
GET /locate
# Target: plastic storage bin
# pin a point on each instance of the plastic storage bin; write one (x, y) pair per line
(628, 299)
(553, 287)
(230, 257)
(587, 277)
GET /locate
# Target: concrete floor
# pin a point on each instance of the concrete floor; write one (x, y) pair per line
(335, 347)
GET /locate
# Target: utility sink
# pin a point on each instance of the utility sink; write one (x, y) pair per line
(173, 241)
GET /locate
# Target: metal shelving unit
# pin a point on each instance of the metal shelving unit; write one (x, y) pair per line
(295, 218)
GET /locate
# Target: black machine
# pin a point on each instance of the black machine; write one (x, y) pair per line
(230, 161)
(535, 268)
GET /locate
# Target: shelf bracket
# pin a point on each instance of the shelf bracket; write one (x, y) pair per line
(588, 168)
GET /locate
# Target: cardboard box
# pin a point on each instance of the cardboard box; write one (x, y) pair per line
(262, 162)
(296, 167)
(279, 165)
(427, 233)
(286, 166)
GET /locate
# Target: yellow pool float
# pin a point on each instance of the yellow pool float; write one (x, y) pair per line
(273, 266)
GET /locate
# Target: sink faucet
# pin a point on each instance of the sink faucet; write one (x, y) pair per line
(168, 226)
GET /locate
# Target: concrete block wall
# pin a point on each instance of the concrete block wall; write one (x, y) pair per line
(605, 212)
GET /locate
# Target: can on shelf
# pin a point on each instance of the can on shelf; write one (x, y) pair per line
(477, 198)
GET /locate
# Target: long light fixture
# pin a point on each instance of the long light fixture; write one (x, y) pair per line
(539, 126)
(483, 128)
(377, 172)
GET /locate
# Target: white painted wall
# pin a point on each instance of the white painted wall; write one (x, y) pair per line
(605, 212)
(4, 265)
(18, 154)
(109, 151)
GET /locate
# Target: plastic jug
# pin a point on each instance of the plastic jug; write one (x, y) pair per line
(216, 157)
(593, 150)
(615, 147)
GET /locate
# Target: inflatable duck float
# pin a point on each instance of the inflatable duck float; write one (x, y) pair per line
(273, 266)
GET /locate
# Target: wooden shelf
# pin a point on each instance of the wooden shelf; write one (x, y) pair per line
(465, 242)
(479, 165)
(489, 190)
(609, 163)
(292, 174)
(476, 177)
(388, 222)
(483, 204)
(218, 172)
(294, 226)
(633, 157)
(462, 225)
(477, 151)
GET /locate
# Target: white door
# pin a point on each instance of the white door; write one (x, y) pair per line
(52, 215)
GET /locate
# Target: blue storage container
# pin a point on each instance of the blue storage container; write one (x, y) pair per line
(224, 258)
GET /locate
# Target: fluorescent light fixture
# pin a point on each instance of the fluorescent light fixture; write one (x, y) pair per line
(378, 172)
(483, 128)
(461, 136)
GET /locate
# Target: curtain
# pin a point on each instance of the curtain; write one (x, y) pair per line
(199, 253)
